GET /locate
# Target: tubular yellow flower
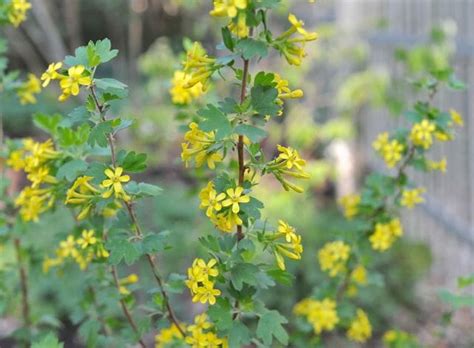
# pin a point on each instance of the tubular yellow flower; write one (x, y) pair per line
(422, 134)
(322, 315)
(198, 66)
(456, 117)
(386, 234)
(234, 198)
(180, 94)
(27, 90)
(70, 84)
(51, 73)
(197, 147)
(360, 329)
(114, 183)
(284, 92)
(410, 198)
(88, 238)
(438, 165)
(167, 336)
(333, 257)
(239, 26)
(228, 8)
(350, 204)
(17, 11)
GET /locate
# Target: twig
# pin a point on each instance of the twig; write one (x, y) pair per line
(23, 284)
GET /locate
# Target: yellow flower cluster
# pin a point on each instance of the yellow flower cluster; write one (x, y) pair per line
(288, 163)
(284, 91)
(34, 158)
(223, 208)
(168, 336)
(233, 9)
(422, 134)
(201, 334)
(359, 275)
(198, 67)
(200, 281)
(410, 198)
(292, 48)
(17, 11)
(390, 150)
(27, 90)
(333, 257)
(197, 147)
(322, 315)
(70, 83)
(350, 205)
(84, 193)
(291, 248)
(180, 94)
(360, 329)
(386, 234)
(82, 250)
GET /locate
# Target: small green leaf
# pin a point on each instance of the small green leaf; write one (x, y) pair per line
(227, 37)
(48, 341)
(252, 48)
(48, 123)
(98, 134)
(239, 335)
(221, 314)
(270, 325)
(153, 243)
(215, 120)
(107, 83)
(264, 100)
(131, 161)
(175, 283)
(71, 170)
(255, 134)
(123, 249)
(243, 273)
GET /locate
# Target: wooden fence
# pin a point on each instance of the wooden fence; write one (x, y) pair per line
(446, 220)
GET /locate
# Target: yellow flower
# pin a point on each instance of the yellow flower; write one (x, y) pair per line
(228, 8)
(206, 293)
(286, 230)
(410, 198)
(180, 94)
(41, 175)
(197, 147)
(292, 250)
(359, 275)
(456, 117)
(288, 163)
(167, 336)
(421, 134)
(438, 165)
(284, 92)
(333, 257)
(212, 201)
(17, 11)
(130, 279)
(381, 141)
(67, 247)
(198, 66)
(234, 198)
(114, 183)
(51, 73)
(391, 151)
(360, 329)
(385, 234)
(33, 202)
(200, 324)
(350, 204)
(322, 315)
(15, 160)
(27, 90)
(239, 26)
(198, 281)
(70, 84)
(88, 238)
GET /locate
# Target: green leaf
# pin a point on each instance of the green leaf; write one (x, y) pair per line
(252, 48)
(143, 189)
(221, 314)
(280, 276)
(104, 51)
(465, 281)
(153, 243)
(89, 331)
(98, 134)
(455, 83)
(239, 335)
(81, 57)
(49, 341)
(123, 249)
(175, 283)
(48, 123)
(243, 273)
(227, 37)
(215, 120)
(456, 301)
(255, 134)
(270, 325)
(71, 170)
(108, 83)
(264, 100)
(131, 161)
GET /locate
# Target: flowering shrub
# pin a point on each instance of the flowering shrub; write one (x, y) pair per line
(81, 170)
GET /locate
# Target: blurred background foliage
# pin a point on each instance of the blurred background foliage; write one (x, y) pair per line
(340, 84)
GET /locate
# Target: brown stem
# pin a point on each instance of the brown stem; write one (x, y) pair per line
(138, 231)
(23, 284)
(125, 310)
(154, 268)
(240, 144)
